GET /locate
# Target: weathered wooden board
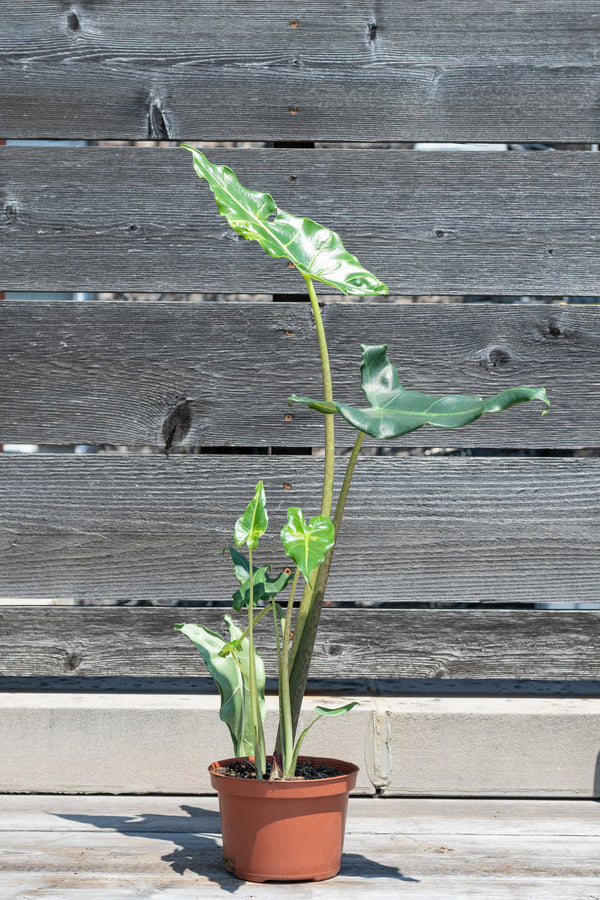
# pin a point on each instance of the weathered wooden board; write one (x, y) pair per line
(396, 71)
(417, 529)
(198, 815)
(111, 848)
(382, 644)
(352, 882)
(426, 223)
(113, 373)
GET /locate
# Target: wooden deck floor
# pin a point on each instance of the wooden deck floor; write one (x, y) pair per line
(113, 848)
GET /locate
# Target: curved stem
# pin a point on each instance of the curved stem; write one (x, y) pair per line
(327, 498)
(341, 503)
(303, 648)
(285, 722)
(259, 747)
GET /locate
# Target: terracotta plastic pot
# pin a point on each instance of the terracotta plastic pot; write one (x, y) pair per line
(284, 830)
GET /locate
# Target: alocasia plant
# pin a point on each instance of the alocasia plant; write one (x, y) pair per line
(318, 254)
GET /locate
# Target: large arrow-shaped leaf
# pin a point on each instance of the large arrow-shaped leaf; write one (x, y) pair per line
(315, 250)
(307, 542)
(232, 683)
(395, 411)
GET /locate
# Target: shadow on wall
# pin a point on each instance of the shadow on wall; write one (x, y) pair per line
(596, 788)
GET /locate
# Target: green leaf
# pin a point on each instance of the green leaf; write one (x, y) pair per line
(253, 523)
(265, 586)
(338, 711)
(231, 674)
(241, 566)
(314, 250)
(322, 711)
(307, 542)
(395, 411)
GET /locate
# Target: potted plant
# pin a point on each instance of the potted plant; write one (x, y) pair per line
(283, 815)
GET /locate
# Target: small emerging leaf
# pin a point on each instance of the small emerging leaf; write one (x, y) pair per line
(338, 711)
(393, 411)
(265, 586)
(231, 647)
(307, 542)
(314, 250)
(253, 523)
(322, 711)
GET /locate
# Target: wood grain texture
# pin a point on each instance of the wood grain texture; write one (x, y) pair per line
(379, 644)
(420, 816)
(115, 373)
(417, 529)
(107, 848)
(331, 71)
(425, 223)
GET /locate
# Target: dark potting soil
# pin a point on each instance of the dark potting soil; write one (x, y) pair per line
(306, 770)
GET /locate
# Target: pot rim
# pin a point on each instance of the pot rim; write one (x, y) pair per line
(334, 784)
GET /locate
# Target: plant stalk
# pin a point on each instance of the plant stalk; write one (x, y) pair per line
(327, 498)
(286, 723)
(260, 760)
(302, 653)
(328, 471)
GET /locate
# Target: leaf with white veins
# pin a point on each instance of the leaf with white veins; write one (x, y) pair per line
(315, 251)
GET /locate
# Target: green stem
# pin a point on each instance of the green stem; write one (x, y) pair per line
(286, 725)
(327, 498)
(259, 749)
(303, 649)
(328, 472)
(257, 618)
(277, 625)
(341, 503)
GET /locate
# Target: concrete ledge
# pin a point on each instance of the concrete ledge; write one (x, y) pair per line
(412, 746)
(494, 747)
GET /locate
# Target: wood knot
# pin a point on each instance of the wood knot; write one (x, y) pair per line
(158, 127)
(494, 358)
(553, 330)
(498, 357)
(72, 662)
(73, 21)
(178, 423)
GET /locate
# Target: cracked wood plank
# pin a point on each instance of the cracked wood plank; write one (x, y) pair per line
(98, 846)
(198, 376)
(131, 219)
(378, 643)
(398, 71)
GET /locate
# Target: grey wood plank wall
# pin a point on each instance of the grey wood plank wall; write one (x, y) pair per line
(418, 529)
(114, 373)
(380, 644)
(452, 223)
(110, 528)
(400, 71)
